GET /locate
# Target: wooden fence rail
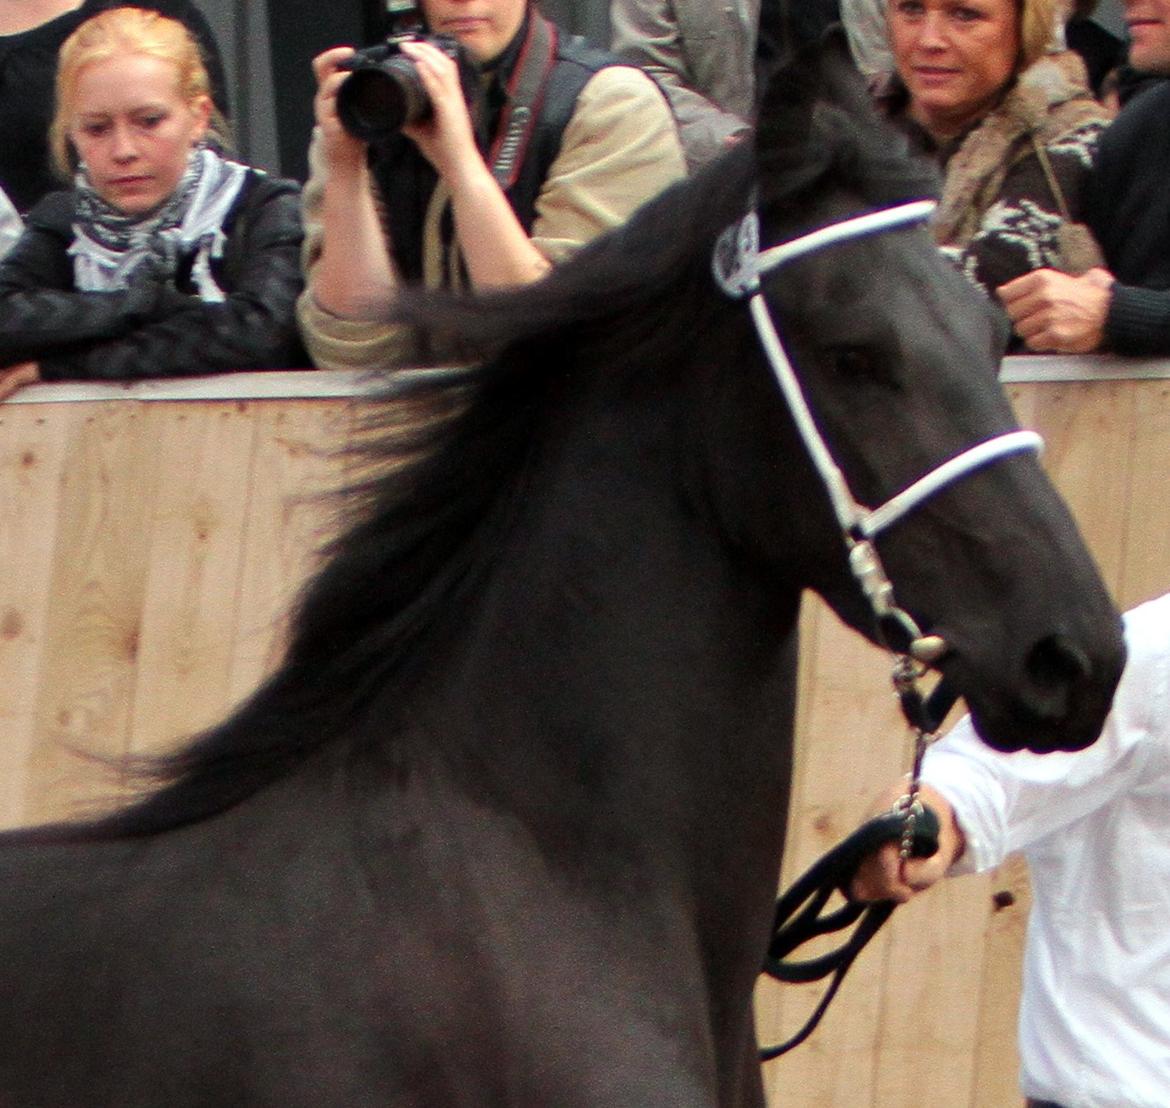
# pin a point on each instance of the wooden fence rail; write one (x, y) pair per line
(151, 539)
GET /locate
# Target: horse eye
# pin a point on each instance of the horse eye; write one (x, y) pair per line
(853, 361)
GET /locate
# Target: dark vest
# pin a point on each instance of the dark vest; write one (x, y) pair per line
(406, 179)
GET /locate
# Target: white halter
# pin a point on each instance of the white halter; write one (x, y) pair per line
(738, 264)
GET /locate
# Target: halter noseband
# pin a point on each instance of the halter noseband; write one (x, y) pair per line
(738, 264)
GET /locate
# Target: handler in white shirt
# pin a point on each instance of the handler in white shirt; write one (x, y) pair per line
(1094, 1017)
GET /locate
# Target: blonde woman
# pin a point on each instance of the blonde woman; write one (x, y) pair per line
(165, 258)
(31, 34)
(981, 86)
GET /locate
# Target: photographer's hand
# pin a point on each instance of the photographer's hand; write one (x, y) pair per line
(446, 138)
(350, 275)
(343, 153)
(495, 247)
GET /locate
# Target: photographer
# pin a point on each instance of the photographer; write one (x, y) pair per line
(442, 202)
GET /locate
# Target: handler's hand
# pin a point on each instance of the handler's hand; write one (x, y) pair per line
(447, 138)
(17, 376)
(884, 876)
(342, 151)
(1053, 312)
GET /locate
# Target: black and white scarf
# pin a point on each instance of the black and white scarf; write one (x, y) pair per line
(109, 245)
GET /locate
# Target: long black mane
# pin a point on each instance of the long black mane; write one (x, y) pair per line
(442, 455)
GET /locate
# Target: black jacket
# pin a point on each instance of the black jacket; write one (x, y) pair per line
(1129, 212)
(156, 328)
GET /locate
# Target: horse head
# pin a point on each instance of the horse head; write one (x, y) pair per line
(897, 357)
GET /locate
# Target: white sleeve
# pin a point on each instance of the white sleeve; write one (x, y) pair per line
(1007, 802)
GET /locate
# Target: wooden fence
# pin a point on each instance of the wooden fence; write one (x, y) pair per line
(152, 537)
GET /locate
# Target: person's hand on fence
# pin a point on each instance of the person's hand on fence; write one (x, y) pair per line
(17, 376)
(1055, 313)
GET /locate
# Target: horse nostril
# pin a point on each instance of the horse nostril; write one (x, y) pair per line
(1056, 663)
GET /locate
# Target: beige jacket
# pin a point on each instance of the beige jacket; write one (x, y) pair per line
(620, 149)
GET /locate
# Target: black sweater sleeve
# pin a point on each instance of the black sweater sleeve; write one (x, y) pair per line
(1129, 210)
(1138, 323)
(155, 332)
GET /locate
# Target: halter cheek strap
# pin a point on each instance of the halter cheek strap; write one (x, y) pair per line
(738, 264)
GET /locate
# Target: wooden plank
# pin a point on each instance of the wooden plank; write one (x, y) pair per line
(32, 449)
(929, 1027)
(1145, 571)
(852, 740)
(94, 619)
(289, 517)
(1087, 429)
(195, 566)
(996, 1053)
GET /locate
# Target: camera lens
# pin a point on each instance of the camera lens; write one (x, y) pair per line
(375, 102)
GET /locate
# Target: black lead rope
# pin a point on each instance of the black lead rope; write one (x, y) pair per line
(801, 916)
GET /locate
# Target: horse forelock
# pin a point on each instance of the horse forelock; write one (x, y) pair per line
(860, 155)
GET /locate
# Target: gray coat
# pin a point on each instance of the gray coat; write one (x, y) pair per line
(702, 53)
(869, 36)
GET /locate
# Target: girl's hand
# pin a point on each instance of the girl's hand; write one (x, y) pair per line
(17, 376)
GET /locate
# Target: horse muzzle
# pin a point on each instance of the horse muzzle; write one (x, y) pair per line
(1059, 699)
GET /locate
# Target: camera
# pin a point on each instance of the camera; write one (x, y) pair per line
(383, 91)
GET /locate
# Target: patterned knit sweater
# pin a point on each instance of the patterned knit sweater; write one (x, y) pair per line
(1011, 176)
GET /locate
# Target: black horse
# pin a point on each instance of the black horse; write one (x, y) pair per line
(505, 827)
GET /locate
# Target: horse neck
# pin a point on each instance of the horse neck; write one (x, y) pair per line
(633, 678)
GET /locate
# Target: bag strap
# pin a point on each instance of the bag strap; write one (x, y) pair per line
(1050, 175)
(526, 90)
